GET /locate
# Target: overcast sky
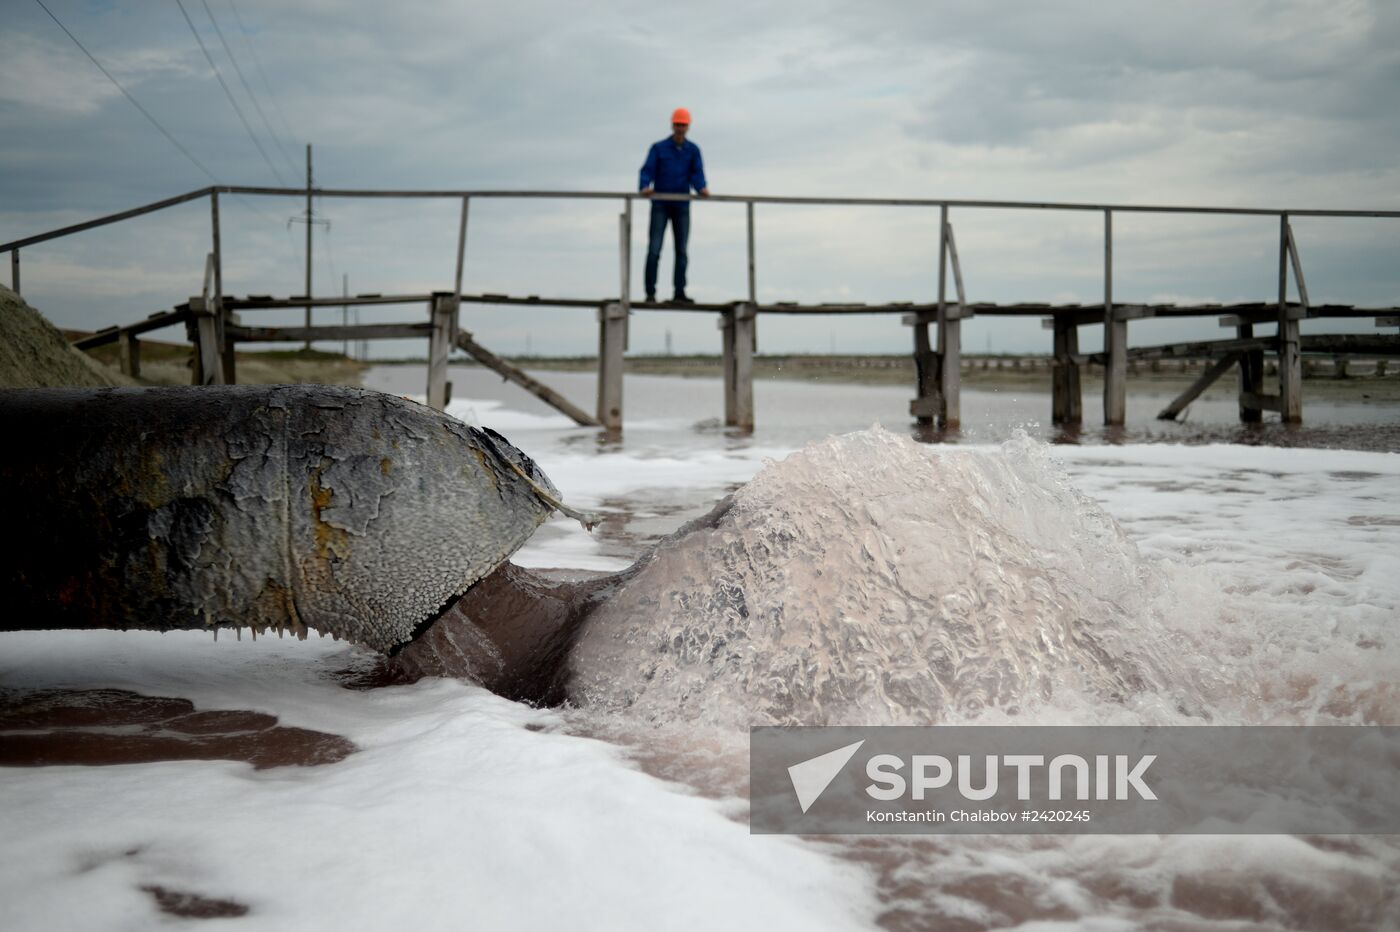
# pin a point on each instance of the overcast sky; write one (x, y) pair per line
(1290, 104)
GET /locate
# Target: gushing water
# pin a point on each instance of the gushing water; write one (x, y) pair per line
(870, 580)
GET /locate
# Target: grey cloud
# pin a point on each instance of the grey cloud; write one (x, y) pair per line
(1241, 103)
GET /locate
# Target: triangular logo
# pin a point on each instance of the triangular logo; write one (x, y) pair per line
(811, 777)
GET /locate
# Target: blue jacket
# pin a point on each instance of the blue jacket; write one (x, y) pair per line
(673, 169)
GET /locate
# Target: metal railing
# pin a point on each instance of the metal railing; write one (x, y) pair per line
(947, 315)
(410, 193)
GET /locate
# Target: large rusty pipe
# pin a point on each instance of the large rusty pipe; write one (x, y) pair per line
(351, 512)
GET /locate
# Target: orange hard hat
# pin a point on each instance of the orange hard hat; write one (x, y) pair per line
(681, 115)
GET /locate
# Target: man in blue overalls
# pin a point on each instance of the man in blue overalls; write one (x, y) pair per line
(673, 166)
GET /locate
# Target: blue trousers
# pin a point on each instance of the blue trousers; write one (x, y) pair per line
(678, 213)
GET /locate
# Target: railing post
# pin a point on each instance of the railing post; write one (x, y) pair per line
(949, 332)
(1290, 363)
(14, 271)
(440, 339)
(612, 336)
(927, 403)
(1115, 340)
(309, 217)
(456, 317)
(753, 275)
(612, 330)
(461, 250)
(753, 279)
(625, 256)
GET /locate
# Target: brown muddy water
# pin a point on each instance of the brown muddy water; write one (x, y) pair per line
(108, 727)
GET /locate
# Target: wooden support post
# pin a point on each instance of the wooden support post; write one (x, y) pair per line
(192, 334)
(612, 336)
(1290, 364)
(203, 329)
(1115, 340)
(1067, 399)
(541, 391)
(1204, 381)
(950, 333)
(440, 341)
(1251, 377)
(129, 347)
(926, 404)
(737, 326)
(726, 351)
(345, 310)
(738, 341)
(226, 347)
(928, 383)
(14, 270)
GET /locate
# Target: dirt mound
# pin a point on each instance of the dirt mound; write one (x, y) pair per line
(34, 354)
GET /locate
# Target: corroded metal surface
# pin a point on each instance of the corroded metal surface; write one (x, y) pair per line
(355, 513)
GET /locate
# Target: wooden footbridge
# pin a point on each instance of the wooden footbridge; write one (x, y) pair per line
(215, 321)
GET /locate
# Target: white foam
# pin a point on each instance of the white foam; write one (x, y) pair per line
(451, 814)
(454, 814)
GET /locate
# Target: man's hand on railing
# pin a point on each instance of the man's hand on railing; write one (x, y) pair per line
(646, 192)
(704, 192)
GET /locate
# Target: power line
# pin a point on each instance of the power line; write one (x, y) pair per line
(127, 94)
(229, 94)
(267, 85)
(147, 114)
(244, 81)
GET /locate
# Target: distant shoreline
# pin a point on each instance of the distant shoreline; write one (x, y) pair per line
(988, 372)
